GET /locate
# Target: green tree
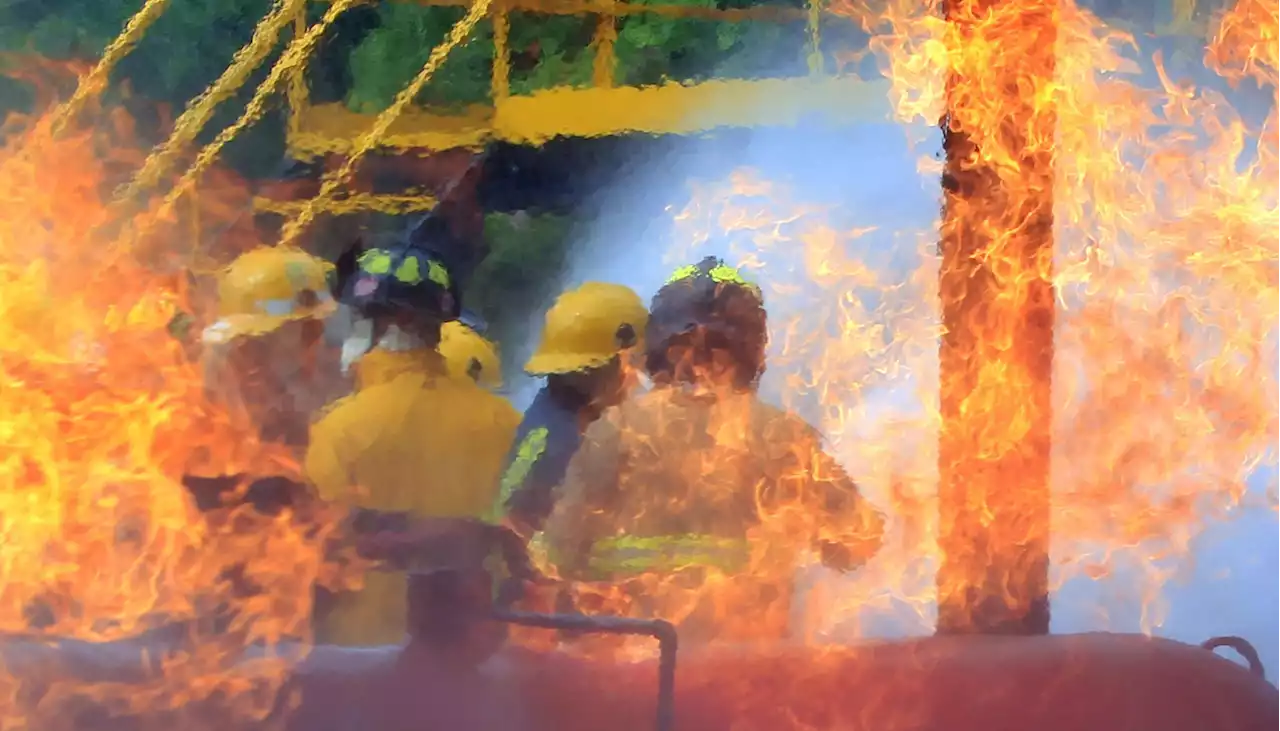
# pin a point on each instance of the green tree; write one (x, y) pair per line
(391, 55)
(548, 50)
(182, 53)
(527, 257)
(371, 53)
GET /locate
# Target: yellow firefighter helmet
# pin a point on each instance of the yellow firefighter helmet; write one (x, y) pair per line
(587, 327)
(266, 287)
(468, 354)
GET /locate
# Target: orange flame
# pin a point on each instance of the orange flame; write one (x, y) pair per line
(102, 412)
(1163, 198)
(1164, 386)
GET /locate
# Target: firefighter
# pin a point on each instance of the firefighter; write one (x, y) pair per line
(265, 353)
(412, 440)
(584, 338)
(693, 501)
(265, 356)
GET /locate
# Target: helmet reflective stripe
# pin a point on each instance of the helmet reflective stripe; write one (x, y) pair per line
(286, 307)
(375, 261)
(725, 274)
(721, 273)
(683, 272)
(437, 273)
(409, 272)
(378, 262)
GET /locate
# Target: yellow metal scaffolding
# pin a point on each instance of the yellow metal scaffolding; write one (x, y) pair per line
(603, 108)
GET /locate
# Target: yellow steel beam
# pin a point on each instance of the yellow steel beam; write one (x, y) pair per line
(330, 128)
(684, 109)
(595, 112)
(1186, 20)
(763, 13)
(390, 204)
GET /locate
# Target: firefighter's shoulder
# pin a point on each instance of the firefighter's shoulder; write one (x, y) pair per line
(461, 403)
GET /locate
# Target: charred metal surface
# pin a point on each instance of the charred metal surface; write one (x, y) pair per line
(1100, 682)
(449, 678)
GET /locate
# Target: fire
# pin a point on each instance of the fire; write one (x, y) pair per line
(1161, 196)
(1162, 200)
(1164, 384)
(102, 411)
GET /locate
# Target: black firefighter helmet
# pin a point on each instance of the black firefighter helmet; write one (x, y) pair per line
(402, 278)
(713, 299)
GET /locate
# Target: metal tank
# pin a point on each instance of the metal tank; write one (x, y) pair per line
(457, 673)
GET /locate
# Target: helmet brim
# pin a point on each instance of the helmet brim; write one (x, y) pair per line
(552, 364)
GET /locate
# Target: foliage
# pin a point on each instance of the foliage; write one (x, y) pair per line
(651, 49)
(547, 50)
(391, 55)
(182, 53)
(523, 249)
(527, 256)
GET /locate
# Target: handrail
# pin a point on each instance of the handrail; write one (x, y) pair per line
(391, 204)
(761, 13)
(606, 30)
(602, 45)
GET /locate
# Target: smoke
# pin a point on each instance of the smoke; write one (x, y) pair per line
(865, 188)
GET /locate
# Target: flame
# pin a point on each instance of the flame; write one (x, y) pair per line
(1161, 197)
(103, 410)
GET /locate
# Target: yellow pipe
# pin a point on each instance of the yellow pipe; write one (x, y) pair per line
(761, 13)
(500, 85)
(606, 35)
(389, 204)
(296, 91)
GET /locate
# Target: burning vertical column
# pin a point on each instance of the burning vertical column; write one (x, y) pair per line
(996, 354)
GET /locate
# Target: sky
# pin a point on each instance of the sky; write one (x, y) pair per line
(867, 176)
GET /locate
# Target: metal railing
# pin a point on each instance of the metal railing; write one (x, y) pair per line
(604, 60)
(316, 130)
(309, 140)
